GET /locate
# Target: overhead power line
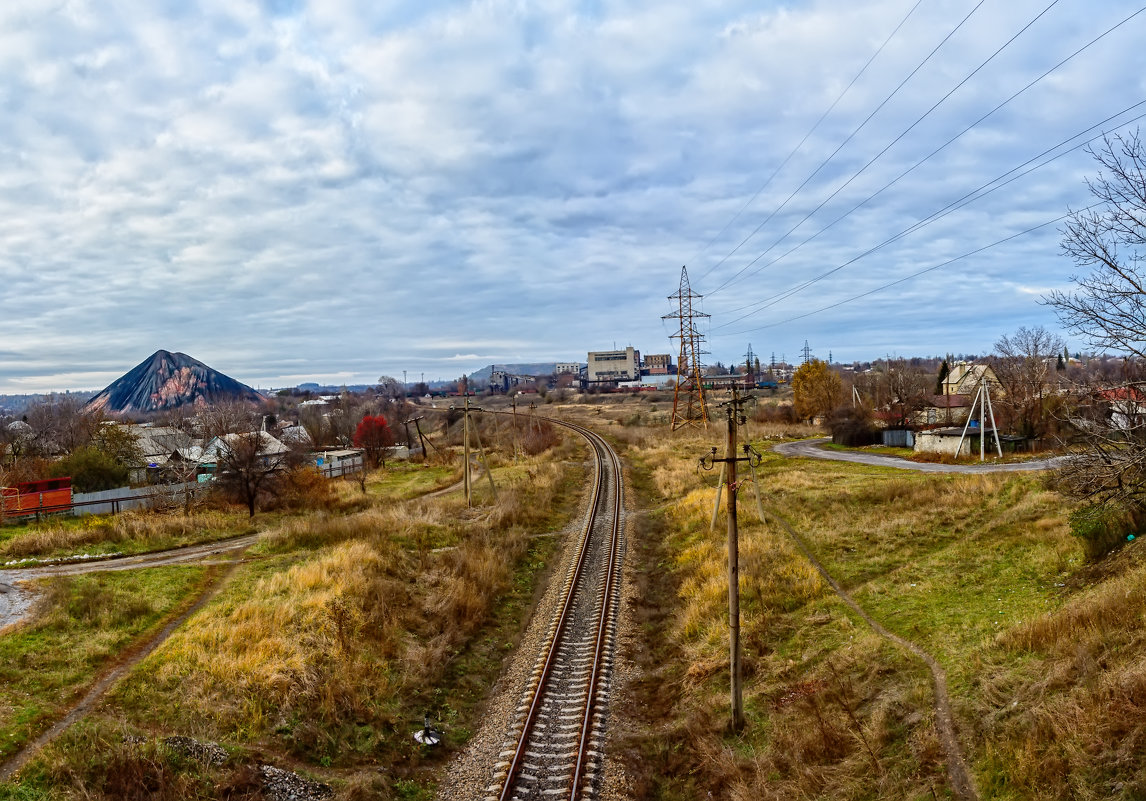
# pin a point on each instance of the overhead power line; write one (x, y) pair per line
(976, 194)
(889, 145)
(796, 149)
(906, 278)
(921, 161)
(853, 134)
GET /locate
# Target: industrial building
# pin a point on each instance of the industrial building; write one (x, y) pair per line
(658, 364)
(614, 365)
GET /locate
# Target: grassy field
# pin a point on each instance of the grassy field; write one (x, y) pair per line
(1039, 647)
(357, 615)
(86, 622)
(127, 533)
(347, 624)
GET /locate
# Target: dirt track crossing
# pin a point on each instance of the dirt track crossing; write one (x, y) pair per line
(125, 663)
(958, 774)
(15, 600)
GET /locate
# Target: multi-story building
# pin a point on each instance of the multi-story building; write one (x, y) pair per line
(614, 365)
(567, 367)
(658, 364)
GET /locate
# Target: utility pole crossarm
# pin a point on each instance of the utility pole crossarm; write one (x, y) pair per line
(708, 462)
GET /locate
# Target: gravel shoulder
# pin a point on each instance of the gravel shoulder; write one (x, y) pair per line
(810, 448)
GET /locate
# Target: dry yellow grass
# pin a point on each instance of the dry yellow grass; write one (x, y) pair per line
(1048, 683)
(347, 619)
(141, 530)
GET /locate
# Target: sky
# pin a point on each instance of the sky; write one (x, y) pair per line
(337, 190)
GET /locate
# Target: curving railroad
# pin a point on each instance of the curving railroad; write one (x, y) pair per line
(554, 749)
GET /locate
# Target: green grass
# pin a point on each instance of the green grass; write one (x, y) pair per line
(949, 562)
(88, 620)
(406, 480)
(345, 628)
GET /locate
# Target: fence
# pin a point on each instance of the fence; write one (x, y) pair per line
(342, 468)
(898, 437)
(121, 499)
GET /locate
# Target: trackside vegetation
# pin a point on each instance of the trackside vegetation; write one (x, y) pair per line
(345, 625)
(1042, 647)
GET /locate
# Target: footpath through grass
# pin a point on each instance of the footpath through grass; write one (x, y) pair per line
(87, 622)
(979, 570)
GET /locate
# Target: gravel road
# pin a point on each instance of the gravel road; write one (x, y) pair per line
(811, 448)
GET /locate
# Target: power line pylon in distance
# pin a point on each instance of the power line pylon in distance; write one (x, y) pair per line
(691, 409)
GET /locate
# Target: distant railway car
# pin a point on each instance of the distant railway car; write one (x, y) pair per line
(37, 497)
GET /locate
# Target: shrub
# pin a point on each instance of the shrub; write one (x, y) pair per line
(91, 470)
(1102, 527)
(853, 427)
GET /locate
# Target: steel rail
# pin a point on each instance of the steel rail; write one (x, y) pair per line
(603, 623)
(563, 619)
(604, 619)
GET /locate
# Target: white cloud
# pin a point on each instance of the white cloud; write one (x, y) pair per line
(346, 188)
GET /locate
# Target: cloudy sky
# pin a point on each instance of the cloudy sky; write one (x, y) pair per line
(340, 189)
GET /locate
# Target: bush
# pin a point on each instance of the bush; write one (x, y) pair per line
(540, 438)
(774, 413)
(853, 427)
(91, 470)
(1102, 528)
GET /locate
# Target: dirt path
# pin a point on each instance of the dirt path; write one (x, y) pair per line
(16, 600)
(811, 448)
(126, 662)
(958, 774)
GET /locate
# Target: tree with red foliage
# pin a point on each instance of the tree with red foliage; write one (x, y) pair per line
(374, 436)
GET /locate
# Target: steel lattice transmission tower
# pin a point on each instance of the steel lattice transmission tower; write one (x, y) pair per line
(688, 407)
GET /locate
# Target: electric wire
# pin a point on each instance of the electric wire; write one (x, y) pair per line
(972, 196)
(891, 144)
(796, 149)
(906, 278)
(856, 131)
(933, 153)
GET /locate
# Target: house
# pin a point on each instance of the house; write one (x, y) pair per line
(1127, 406)
(965, 378)
(944, 410)
(271, 451)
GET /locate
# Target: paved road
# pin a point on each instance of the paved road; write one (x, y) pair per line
(811, 448)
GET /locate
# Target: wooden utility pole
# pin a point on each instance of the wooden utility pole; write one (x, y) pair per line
(728, 470)
(466, 451)
(734, 570)
(515, 428)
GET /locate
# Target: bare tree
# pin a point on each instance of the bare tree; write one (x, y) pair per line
(249, 466)
(1108, 309)
(1025, 366)
(228, 417)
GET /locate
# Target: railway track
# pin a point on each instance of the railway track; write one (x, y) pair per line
(554, 749)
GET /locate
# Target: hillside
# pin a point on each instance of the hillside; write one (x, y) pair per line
(167, 380)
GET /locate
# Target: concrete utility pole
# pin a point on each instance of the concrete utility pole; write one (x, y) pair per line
(728, 464)
(467, 479)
